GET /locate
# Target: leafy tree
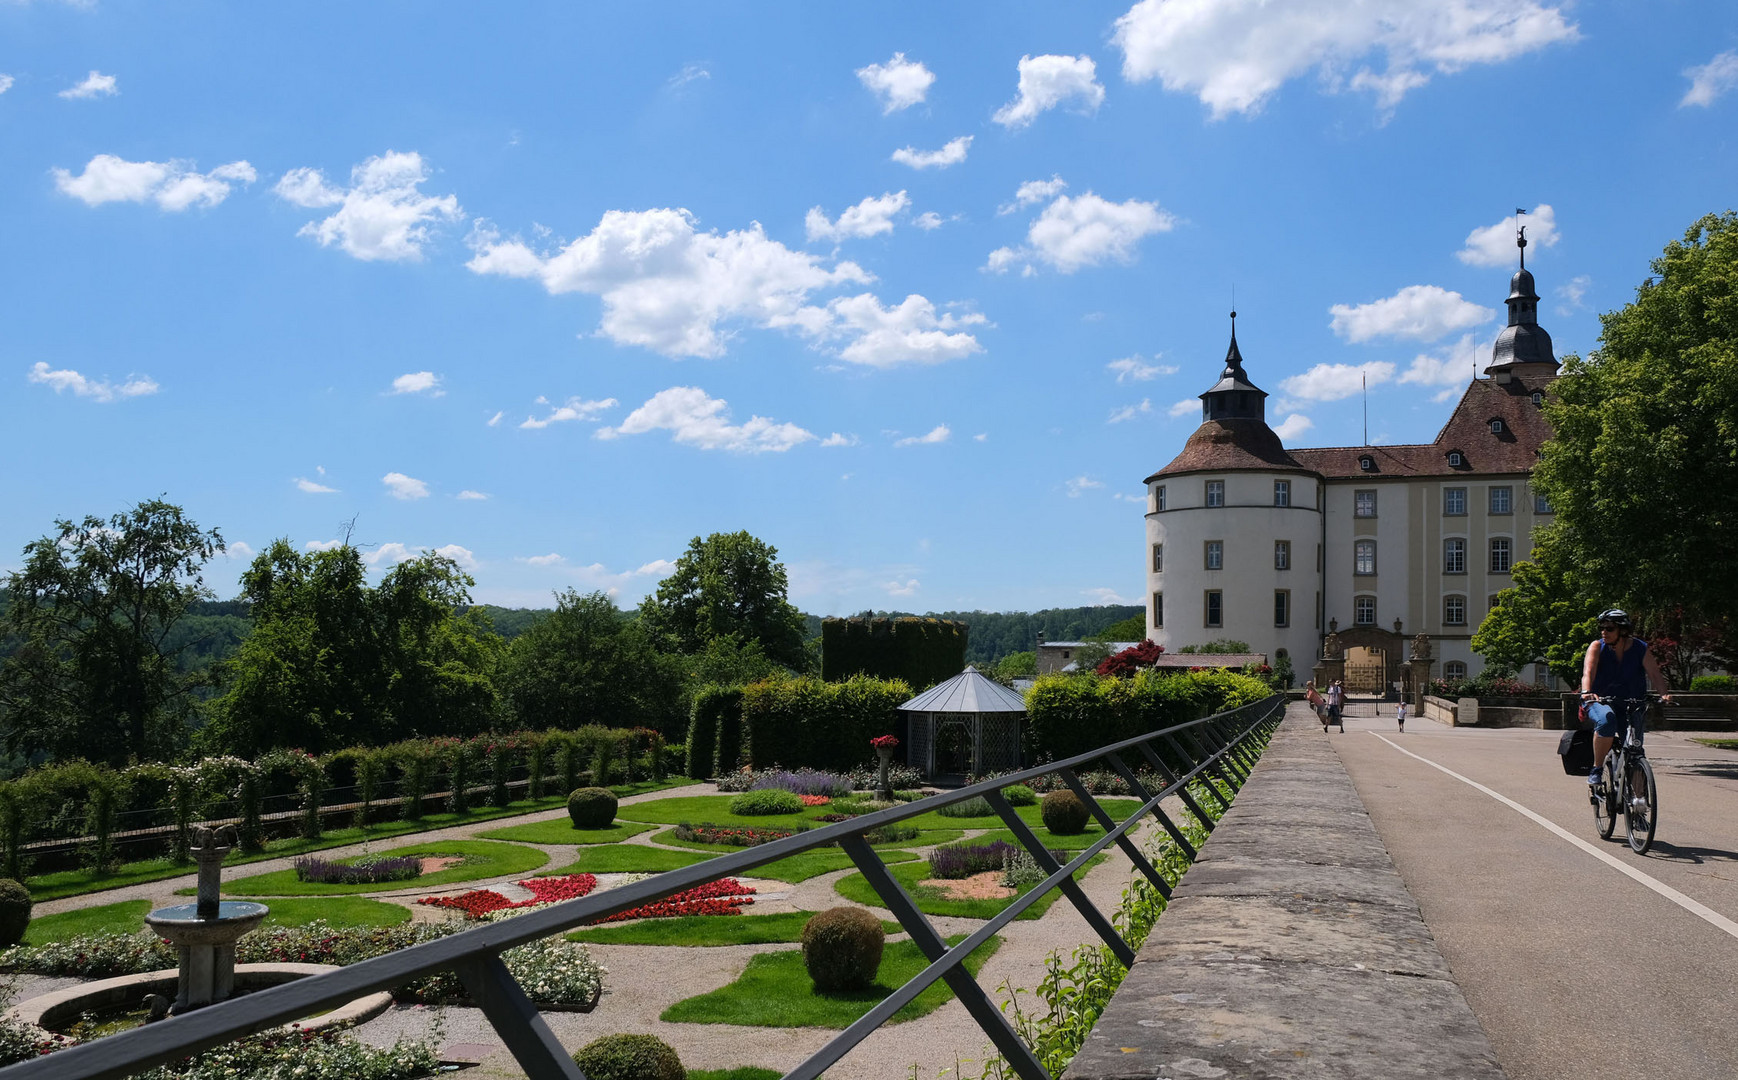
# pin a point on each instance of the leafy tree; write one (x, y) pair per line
(1124, 664)
(588, 663)
(95, 670)
(1642, 470)
(1014, 666)
(1133, 628)
(1545, 617)
(729, 584)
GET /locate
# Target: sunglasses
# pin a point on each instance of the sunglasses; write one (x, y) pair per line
(1607, 628)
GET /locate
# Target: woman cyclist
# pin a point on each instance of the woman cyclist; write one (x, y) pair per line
(1619, 666)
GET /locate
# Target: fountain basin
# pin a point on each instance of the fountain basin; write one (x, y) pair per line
(60, 1010)
(181, 924)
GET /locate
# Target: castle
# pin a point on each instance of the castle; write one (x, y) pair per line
(1393, 550)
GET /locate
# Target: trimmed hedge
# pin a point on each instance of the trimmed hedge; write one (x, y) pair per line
(823, 725)
(715, 731)
(922, 652)
(1714, 684)
(1071, 714)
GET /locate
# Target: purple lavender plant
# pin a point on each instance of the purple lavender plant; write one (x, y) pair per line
(956, 861)
(804, 782)
(312, 868)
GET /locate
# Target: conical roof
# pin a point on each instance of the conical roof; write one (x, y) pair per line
(968, 692)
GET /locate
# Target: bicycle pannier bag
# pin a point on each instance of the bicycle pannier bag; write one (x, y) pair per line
(1576, 748)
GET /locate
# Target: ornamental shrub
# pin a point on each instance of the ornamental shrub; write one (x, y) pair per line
(1064, 814)
(14, 912)
(1020, 795)
(1714, 684)
(823, 725)
(1071, 714)
(842, 948)
(803, 782)
(766, 801)
(592, 808)
(629, 1057)
(977, 806)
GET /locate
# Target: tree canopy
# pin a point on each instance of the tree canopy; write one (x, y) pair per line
(728, 585)
(588, 663)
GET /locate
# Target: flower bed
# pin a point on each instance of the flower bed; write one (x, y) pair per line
(733, 835)
(815, 800)
(956, 861)
(802, 782)
(549, 890)
(366, 871)
(726, 897)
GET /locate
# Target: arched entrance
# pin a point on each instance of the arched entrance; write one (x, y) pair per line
(1366, 670)
(1374, 657)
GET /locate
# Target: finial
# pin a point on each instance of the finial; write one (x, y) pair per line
(1521, 236)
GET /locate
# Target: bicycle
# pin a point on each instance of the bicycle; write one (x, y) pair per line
(1628, 761)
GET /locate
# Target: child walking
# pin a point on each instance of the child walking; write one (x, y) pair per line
(1400, 715)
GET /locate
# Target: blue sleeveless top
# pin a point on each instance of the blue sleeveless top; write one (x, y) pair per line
(1621, 678)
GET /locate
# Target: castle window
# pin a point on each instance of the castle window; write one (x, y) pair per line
(1454, 502)
(1538, 399)
(1364, 558)
(1454, 611)
(1215, 493)
(1159, 610)
(1502, 500)
(1541, 505)
(1282, 554)
(1455, 459)
(1281, 607)
(1364, 610)
(1282, 493)
(1158, 558)
(1215, 608)
(1363, 504)
(1500, 554)
(1454, 556)
(1454, 669)
(1215, 554)
(1159, 497)
(1496, 426)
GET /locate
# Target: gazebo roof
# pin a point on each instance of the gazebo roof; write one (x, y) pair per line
(968, 692)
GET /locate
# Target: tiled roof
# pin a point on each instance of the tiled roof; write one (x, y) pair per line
(1212, 660)
(967, 692)
(1228, 444)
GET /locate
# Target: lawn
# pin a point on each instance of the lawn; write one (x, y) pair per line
(122, 918)
(77, 882)
(482, 859)
(128, 916)
(775, 991)
(926, 838)
(561, 831)
(707, 930)
(627, 859)
(932, 901)
(716, 810)
(1117, 808)
(337, 910)
(1053, 841)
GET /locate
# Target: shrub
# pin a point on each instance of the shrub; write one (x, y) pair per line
(1714, 684)
(896, 833)
(629, 1057)
(857, 805)
(868, 777)
(1022, 871)
(1020, 795)
(14, 911)
(1071, 714)
(954, 861)
(733, 835)
(803, 782)
(361, 872)
(1064, 814)
(842, 948)
(592, 808)
(825, 725)
(766, 801)
(977, 806)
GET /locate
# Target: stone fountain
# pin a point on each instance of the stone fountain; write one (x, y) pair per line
(205, 931)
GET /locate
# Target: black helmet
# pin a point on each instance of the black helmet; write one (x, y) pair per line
(1616, 617)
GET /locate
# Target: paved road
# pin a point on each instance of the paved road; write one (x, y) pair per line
(1574, 969)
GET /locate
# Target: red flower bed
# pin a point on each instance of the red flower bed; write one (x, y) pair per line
(480, 902)
(726, 897)
(735, 836)
(816, 800)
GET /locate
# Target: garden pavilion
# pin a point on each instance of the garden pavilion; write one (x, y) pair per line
(968, 724)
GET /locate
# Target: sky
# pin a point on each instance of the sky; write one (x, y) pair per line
(916, 293)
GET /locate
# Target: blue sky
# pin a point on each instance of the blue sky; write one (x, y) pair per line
(912, 292)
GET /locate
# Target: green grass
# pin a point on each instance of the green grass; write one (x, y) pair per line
(627, 859)
(714, 809)
(78, 882)
(122, 918)
(561, 831)
(932, 901)
(482, 859)
(808, 864)
(707, 930)
(337, 910)
(128, 916)
(1117, 808)
(741, 1072)
(927, 838)
(1719, 744)
(1053, 841)
(775, 991)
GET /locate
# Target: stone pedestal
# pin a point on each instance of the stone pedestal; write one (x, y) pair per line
(205, 931)
(1419, 678)
(1328, 670)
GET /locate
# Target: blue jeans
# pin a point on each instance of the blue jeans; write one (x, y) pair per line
(1609, 721)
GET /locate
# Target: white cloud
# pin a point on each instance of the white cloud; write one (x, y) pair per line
(1234, 54)
(1572, 292)
(495, 421)
(1136, 369)
(575, 409)
(982, 436)
(908, 587)
(928, 221)
(836, 439)
(694, 418)
(908, 333)
(400, 486)
(238, 550)
(1085, 230)
(551, 559)
(1033, 192)
(1332, 382)
(313, 487)
(382, 215)
(5, 83)
(656, 568)
(322, 545)
(418, 382)
(689, 73)
(96, 389)
(940, 433)
(1449, 367)
(1129, 412)
(1183, 408)
(1494, 245)
(1710, 80)
(899, 83)
(1108, 596)
(1418, 312)
(668, 287)
(1293, 426)
(1082, 484)
(172, 185)
(95, 85)
(871, 217)
(1049, 81)
(466, 559)
(472, 496)
(394, 553)
(951, 154)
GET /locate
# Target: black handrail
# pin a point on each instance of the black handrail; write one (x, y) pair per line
(1222, 751)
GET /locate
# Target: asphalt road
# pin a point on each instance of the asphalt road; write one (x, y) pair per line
(1573, 968)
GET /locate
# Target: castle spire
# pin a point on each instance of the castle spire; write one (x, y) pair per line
(1233, 397)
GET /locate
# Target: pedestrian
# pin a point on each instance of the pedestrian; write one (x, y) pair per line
(1400, 714)
(1314, 697)
(1336, 705)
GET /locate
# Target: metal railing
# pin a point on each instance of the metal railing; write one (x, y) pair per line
(1221, 748)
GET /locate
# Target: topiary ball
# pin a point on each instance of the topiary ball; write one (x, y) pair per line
(766, 801)
(629, 1057)
(842, 948)
(14, 912)
(592, 808)
(1020, 795)
(1064, 814)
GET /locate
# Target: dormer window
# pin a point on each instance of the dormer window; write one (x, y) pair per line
(1456, 459)
(1367, 463)
(1538, 399)
(1496, 426)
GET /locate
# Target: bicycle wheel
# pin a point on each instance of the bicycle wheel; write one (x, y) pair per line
(1641, 813)
(1604, 804)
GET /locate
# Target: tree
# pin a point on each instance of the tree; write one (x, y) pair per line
(1123, 665)
(728, 584)
(587, 663)
(1133, 628)
(1546, 616)
(1642, 469)
(96, 669)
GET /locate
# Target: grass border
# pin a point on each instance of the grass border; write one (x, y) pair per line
(483, 859)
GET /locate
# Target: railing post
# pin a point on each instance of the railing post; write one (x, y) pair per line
(1208, 786)
(516, 1019)
(1182, 789)
(1070, 888)
(1145, 796)
(1104, 820)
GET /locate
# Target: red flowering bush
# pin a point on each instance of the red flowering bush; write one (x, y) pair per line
(480, 902)
(726, 897)
(1124, 664)
(732, 835)
(884, 742)
(815, 800)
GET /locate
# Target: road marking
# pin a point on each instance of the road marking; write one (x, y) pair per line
(1701, 911)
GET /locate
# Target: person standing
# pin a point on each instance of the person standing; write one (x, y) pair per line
(1400, 715)
(1336, 705)
(1314, 697)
